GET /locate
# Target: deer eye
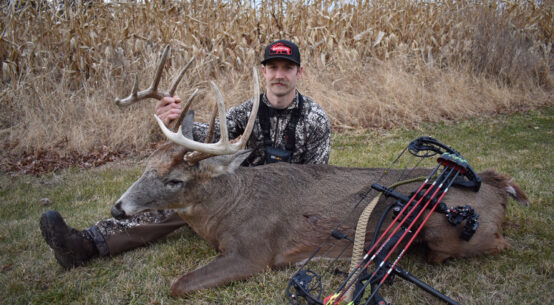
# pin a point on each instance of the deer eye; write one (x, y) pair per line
(174, 184)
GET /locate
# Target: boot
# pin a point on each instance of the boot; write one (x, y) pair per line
(72, 248)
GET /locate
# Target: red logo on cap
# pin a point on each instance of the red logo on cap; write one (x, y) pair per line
(280, 49)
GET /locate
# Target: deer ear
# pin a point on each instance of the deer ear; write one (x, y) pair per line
(187, 124)
(224, 164)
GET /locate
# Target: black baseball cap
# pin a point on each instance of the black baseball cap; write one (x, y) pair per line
(282, 49)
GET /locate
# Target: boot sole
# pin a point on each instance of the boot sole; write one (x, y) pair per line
(47, 227)
(55, 232)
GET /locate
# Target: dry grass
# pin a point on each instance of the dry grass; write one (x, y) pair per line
(370, 64)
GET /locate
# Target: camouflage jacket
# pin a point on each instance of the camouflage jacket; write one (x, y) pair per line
(313, 131)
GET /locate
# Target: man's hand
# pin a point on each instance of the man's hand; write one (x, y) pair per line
(168, 109)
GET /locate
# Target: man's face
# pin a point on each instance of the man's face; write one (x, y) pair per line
(281, 77)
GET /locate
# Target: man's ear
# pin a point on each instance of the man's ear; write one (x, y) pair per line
(224, 164)
(299, 71)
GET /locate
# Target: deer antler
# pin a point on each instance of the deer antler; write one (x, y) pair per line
(153, 92)
(223, 146)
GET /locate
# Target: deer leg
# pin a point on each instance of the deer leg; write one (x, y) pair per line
(225, 268)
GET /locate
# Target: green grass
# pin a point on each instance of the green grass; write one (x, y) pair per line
(519, 145)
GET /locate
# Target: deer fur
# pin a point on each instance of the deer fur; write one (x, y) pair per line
(278, 214)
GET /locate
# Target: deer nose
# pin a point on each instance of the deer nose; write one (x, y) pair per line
(117, 212)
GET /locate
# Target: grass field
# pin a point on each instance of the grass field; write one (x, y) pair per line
(519, 145)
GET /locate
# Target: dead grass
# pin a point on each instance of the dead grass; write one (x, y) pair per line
(372, 64)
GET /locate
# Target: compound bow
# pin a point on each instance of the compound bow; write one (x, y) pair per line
(305, 286)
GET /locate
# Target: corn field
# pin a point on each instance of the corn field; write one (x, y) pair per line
(370, 64)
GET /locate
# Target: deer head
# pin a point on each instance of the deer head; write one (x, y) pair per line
(182, 162)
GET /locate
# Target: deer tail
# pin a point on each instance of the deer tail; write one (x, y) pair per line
(507, 183)
(515, 192)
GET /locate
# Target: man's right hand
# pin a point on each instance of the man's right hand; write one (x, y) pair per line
(168, 109)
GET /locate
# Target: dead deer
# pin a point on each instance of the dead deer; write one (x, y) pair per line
(278, 214)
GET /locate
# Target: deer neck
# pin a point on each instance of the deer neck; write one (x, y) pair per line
(216, 199)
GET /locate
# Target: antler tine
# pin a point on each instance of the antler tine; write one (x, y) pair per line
(178, 79)
(179, 120)
(211, 129)
(134, 91)
(159, 70)
(152, 91)
(223, 134)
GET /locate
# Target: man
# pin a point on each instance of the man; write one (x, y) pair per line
(291, 128)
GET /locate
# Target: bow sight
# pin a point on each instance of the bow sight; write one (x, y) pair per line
(305, 287)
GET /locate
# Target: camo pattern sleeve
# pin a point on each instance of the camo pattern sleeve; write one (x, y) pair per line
(317, 134)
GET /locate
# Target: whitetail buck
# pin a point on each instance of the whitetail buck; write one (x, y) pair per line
(278, 214)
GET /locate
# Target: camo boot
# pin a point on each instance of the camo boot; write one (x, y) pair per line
(71, 247)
